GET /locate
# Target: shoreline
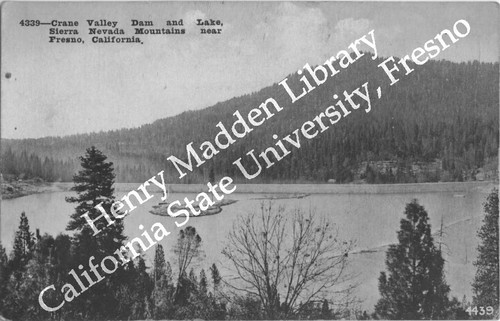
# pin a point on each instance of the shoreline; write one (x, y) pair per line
(19, 189)
(457, 187)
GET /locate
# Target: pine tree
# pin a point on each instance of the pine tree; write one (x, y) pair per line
(183, 290)
(125, 292)
(415, 287)
(159, 266)
(24, 242)
(3, 275)
(485, 285)
(162, 287)
(40, 271)
(193, 280)
(22, 290)
(325, 310)
(94, 185)
(216, 278)
(162, 279)
(168, 273)
(141, 308)
(203, 285)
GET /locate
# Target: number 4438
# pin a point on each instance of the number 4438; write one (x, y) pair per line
(475, 310)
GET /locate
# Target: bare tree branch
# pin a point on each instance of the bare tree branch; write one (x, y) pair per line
(288, 260)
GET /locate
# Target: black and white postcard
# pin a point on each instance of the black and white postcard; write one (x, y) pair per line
(249, 160)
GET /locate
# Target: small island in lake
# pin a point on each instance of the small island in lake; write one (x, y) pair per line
(161, 208)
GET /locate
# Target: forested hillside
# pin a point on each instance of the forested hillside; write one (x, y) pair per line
(443, 113)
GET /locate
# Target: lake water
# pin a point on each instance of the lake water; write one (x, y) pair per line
(371, 220)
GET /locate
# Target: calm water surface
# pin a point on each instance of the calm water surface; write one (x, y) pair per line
(371, 220)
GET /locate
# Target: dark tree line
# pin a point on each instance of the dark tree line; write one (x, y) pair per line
(133, 291)
(285, 267)
(443, 111)
(137, 292)
(26, 166)
(164, 290)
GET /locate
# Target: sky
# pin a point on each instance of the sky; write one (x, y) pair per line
(62, 89)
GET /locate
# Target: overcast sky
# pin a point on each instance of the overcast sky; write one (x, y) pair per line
(57, 90)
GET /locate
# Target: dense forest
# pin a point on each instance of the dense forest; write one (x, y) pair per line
(130, 290)
(284, 265)
(443, 117)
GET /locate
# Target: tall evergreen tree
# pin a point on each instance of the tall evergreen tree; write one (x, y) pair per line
(3, 275)
(24, 242)
(14, 302)
(161, 296)
(193, 280)
(183, 290)
(40, 271)
(485, 285)
(169, 273)
(216, 278)
(203, 286)
(94, 185)
(141, 307)
(415, 287)
(325, 310)
(159, 265)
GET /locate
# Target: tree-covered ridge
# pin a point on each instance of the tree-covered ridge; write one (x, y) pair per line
(443, 113)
